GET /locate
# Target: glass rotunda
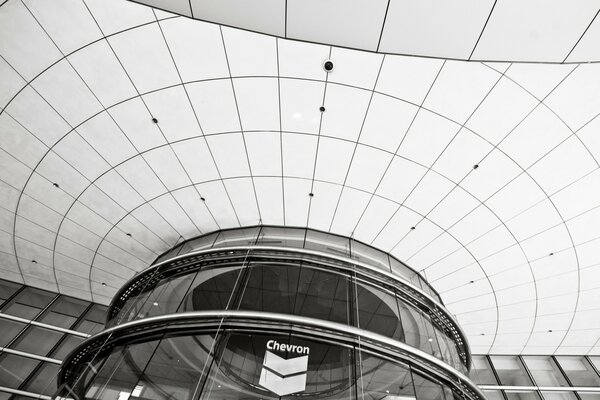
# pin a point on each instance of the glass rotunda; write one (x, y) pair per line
(271, 312)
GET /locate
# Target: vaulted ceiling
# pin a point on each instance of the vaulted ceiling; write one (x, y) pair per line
(494, 165)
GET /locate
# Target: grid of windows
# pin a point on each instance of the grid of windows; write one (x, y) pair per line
(37, 331)
(510, 377)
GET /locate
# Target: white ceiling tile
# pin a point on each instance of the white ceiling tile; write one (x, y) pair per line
(241, 192)
(39, 188)
(492, 242)
(345, 111)
(464, 152)
(575, 100)
(102, 205)
(157, 224)
(387, 122)
(215, 106)
(575, 199)
(434, 250)
(181, 7)
(137, 49)
(333, 160)
(196, 48)
(69, 23)
(57, 170)
(83, 216)
(355, 68)
(431, 189)
(351, 206)
(196, 158)
(474, 224)
(104, 135)
(12, 82)
(250, 54)
(354, 24)
(376, 215)
(459, 89)
(115, 15)
(102, 73)
(300, 102)
(367, 167)
(257, 100)
(230, 154)
(323, 205)
(400, 179)
(135, 122)
(501, 111)
(24, 44)
(583, 228)
(586, 48)
(19, 143)
(119, 190)
(167, 206)
(408, 78)
(427, 137)
(562, 166)
(539, 79)
(299, 152)
(452, 208)
(412, 27)
(493, 173)
(518, 195)
(168, 168)
(415, 239)
(301, 60)
(269, 192)
(142, 178)
(540, 30)
(295, 192)
(66, 92)
(262, 15)
(534, 220)
(264, 153)
(197, 210)
(39, 213)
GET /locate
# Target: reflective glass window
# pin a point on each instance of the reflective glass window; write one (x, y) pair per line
(559, 396)
(65, 346)
(285, 237)
(44, 379)
(579, 371)
(176, 368)
(211, 289)
(544, 370)
(369, 255)
(481, 371)
(9, 330)
(322, 295)
(427, 389)
(595, 360)
(383, 379)
(166, 297)
(7, 289)
(271, 288)
(493, 395)
(589, 395)
(378, 311)
(64, 312)
(521, 395)
(327, 243)
(201, 243)
(119, 375)
(418, 329)
(28, 303)
(511, 371)
(5, 395)
(93, 320)
(237, 237)
(15, 369)
(37, 340)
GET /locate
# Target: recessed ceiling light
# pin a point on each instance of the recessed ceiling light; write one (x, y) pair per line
(322, 109)
(55, 185)
(551, 254)
(202, 198)
(155, 304)
(549, 330)
(475, 166)
(128, 234)
(103, 284)
(33, 262)
(412, 228)
(155, 120)
(472, 282)
(311, 194)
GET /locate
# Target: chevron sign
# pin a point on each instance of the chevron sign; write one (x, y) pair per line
(282, 376)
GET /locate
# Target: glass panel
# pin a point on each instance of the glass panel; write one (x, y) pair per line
(426, 389)
(201, 243)
(327, 243)
(516, 395)
(176, 369)
(5, 395)
(378, 311)
(166, 296)
(579, 371)
(559, 396)
(589, 395)
(511, 371)
(120, 373)
(37, 340)
(286, 237)
(64, 312)
(418, 329)
(544, 370)
(481, 371)
(65, 347)
(211, 289)
(94, 320)
(8, 330)
(493, 395)
(44, 380)
(401, 269)
(322, 295)
(595, 362)
(29, 302)
(383, 379)
(237, 237)
(7, 289)
(271, 288)
(369, 255)
(15, 369)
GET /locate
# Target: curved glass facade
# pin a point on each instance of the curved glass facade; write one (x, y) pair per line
(340, 325)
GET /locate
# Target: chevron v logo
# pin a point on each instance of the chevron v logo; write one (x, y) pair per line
(282, 376)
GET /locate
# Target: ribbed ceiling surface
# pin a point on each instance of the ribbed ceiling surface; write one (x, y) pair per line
(495, 166)
(555, 31)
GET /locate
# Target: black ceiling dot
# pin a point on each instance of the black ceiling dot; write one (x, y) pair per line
(412, 228)
(202, 198)
(155, 120)
(128, 234)
(483, 334)
(103, 283)
(475, 166)
(55, 185)
(472, 282)
(549, 330)
(551, 254)
(322, 109)
(311, 194)
(34, 262)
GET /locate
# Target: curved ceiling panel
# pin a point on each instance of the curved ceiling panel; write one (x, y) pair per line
(551, 31)
(125, 129)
